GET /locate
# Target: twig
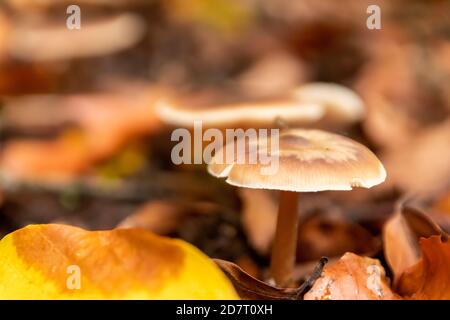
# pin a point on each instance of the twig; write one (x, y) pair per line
(312, 278)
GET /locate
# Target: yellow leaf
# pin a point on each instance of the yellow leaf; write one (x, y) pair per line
(63, 262)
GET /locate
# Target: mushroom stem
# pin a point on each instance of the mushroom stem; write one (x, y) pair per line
(285, 242)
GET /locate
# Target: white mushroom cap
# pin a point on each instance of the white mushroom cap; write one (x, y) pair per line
(309, 160)
(253, 112)
(341, 103)
(106, 36)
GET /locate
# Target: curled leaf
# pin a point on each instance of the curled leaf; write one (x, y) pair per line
(250, 288)
(352, 278)
(401, 235)
(430, 278)
(44, 261)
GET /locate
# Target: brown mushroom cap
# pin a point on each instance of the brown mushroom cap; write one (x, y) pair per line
(309, 160)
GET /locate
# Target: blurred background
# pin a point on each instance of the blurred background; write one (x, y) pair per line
(82, 144)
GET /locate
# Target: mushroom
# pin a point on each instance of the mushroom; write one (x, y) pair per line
(308, 161)
(328, 104)
(185, 110)
(342, 105)
(97, 38)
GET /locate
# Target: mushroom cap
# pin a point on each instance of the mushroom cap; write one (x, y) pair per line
(252, 112)
(341, 103)
(96, 38)
(308, 160)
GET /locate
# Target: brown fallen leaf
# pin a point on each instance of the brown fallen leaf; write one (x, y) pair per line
(19, 78)
(250, 288)
(389, 102)
(5, 29)
(259, 217)
(162, 217)
(352, 278)
(439, 210)
(129, 115)
(272, 74)
(58, 160)
(248, 265)
(332, 236)
(401, 235)
(430, 278)
(397, 100)
(428, 149)
(443, 204)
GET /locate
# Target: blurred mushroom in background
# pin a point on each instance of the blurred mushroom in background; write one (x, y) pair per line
(343, 106)
(322, 105)
(93, 39)
(245, 114)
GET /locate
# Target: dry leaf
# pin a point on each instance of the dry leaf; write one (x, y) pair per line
(128, 116)
(272, 74)
(409, 165)
(57, 160)
(164, 217)
(442, 204)
(430, 278)
(37, 262)
(259, 217)
(390, 99)
(352, 278)
(401, 235)
(331, 237)
(160, 217)
(248, 265)
(250, 288)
